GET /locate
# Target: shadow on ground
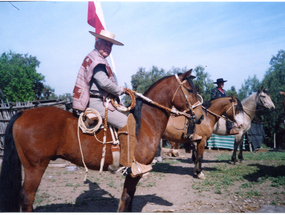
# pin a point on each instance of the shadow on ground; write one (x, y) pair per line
(99, 200)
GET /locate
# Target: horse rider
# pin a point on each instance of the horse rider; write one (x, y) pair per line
(95, 81)
(220, 92)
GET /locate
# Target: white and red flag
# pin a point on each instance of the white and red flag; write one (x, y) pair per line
(95, 18)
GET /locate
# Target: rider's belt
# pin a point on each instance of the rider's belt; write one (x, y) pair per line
(95, 96)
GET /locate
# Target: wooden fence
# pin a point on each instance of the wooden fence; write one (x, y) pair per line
(8, 109)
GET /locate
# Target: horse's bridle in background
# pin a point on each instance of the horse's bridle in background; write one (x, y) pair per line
(188, 103)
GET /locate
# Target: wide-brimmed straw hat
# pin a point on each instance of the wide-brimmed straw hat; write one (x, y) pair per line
(220, 80)
(106, 35)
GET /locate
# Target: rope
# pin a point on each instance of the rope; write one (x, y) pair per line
(176, 112)
(79, 142)
(82, 125)
(104, 137)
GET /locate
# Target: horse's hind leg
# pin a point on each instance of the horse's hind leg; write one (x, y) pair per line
(33, 176)
(128, 194)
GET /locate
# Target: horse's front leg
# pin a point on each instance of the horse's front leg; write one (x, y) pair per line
(240, 157)
(236, 144)
(199, 158)
(128, 194)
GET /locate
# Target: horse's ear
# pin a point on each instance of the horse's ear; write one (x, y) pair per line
(233, 98)
(282, 93)
(187, 75)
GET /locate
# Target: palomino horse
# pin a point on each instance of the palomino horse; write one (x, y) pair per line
(213, 110)
(36, 136)
(250, 106)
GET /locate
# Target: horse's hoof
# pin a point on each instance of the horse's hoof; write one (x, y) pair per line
(201, 176)
(113, 169)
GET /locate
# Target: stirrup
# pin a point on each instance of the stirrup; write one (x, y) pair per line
(139, 169)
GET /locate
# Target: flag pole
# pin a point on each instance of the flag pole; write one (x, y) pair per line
(100, 14)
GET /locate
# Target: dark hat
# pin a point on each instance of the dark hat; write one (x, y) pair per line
(220, 80)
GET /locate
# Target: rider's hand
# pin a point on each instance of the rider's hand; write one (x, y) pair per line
(123, 90)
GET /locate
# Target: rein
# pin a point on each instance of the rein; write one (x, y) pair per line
(175, 111)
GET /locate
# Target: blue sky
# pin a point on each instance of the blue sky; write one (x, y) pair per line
(232, 40)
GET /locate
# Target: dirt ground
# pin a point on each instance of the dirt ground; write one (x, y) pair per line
(168, 188)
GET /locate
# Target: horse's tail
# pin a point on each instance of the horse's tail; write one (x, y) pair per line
(11, 172)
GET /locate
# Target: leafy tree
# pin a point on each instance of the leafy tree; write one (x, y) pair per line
(203, 83)
(48, 93)
(274, 80)
(143, 79)
(19, 80)
(232, 91)
(250, 86)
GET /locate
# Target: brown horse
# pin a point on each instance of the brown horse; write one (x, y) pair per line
(213, 110)
(36, 136)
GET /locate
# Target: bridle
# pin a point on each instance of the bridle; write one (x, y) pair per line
(232, 107)
(189, 106)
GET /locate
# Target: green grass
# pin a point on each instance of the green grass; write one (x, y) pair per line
(258, 169)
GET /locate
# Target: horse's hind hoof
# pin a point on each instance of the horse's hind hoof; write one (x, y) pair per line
(201, 176)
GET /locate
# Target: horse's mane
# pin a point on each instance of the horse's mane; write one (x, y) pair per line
(265, 91)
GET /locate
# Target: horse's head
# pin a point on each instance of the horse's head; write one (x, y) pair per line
(264, 99)
(186, 98)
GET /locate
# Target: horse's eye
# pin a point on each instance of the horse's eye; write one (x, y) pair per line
(190, 90)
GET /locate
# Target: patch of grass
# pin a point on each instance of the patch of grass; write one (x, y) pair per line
(265, 156)
(274, 202)
(252, 193)
(250, 174)
(246, 185)
(40, 198)
(277, 182)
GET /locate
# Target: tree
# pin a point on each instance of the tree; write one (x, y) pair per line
(274, 80)
(203, 83)
(19, 80)
(143, 79)
(232, 91)
(250, 86)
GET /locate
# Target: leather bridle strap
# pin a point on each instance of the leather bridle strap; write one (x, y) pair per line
(232, 107)
(188, 103)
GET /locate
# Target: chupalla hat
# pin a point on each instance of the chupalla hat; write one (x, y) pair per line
(106, 35)
(220, 80)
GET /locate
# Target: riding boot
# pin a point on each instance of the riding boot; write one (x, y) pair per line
(230, 129)
(127, 138)
(233, 132)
